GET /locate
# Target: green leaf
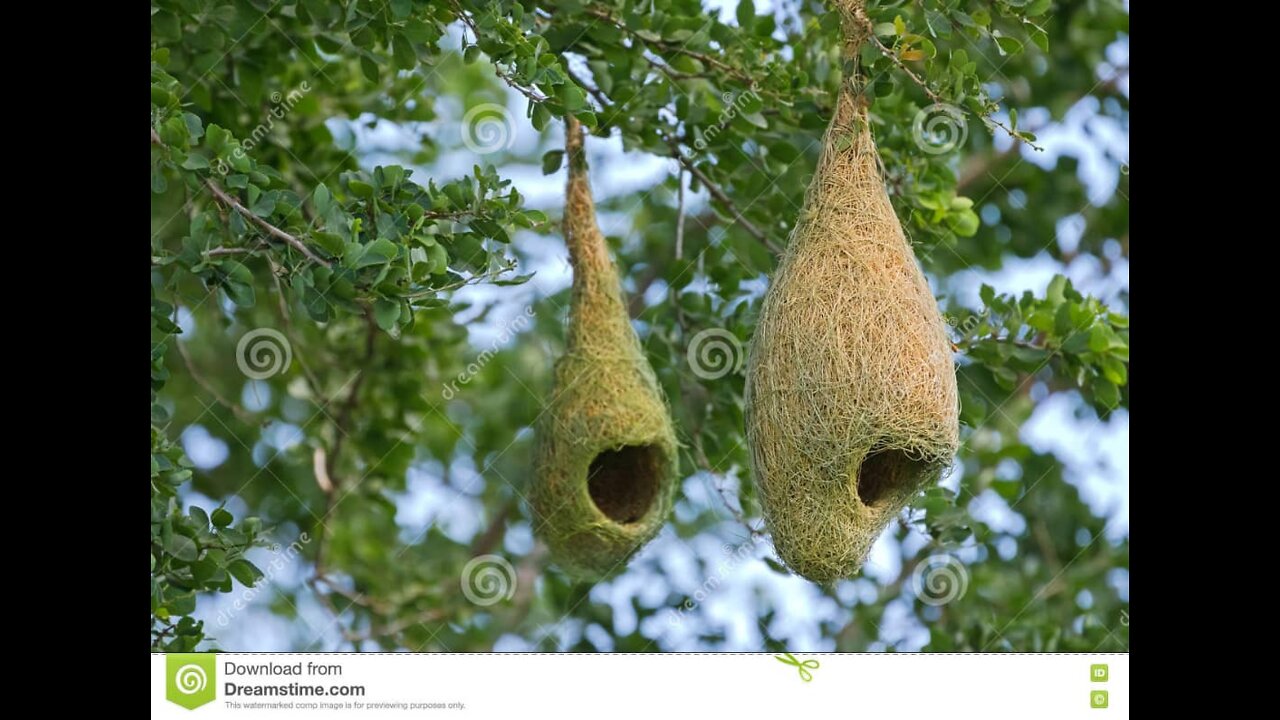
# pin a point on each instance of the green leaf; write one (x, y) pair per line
(1007, 45)
(379, 251)
(541, 117)
(1038, 36)
(369, 67)
(403, 53)
(240, 294)
(246, 572)
(600, 72)
(1115, 370)
(1106, 393)
(1038, 7)
(331, 243)
(360, 189)
(552, 161)
(321, 200)
(221, 518)
(439, 258)
(182, 547)
(1056, 293)
(386, 312)
(964, 223)
(199, 517)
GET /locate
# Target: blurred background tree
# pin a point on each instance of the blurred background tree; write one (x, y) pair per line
(358, 290)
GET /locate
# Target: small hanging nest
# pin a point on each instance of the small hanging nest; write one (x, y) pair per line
(606, 463)
(851, 390)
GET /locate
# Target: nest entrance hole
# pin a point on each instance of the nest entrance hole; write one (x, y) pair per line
(623, 483)
(887, 473)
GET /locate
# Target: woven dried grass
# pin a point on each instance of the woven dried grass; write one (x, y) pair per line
(606, 462)
(851, 391)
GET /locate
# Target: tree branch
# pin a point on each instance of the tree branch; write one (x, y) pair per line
(530, 93)
(270, 229)
(700, 456)
(705, 59)
(722, 198)
(244, 415)
(860, 16)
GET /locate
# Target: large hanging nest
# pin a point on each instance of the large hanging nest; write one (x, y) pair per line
(851, 391)
(606, 463)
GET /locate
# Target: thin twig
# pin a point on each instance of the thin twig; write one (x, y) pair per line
(220, 250)
(705, 59)
(700, 456)
(860, 16)
(1005, 339)
(530, 93)
(231, 202)
(486, 541)
(208, 387)
(341, 430)
(270, 229)
(720, 197)
(675, 294)
(282, 301)
(600, 98)
(680, 217)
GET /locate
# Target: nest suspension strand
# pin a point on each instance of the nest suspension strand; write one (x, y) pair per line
(851, 391)
(606, 463)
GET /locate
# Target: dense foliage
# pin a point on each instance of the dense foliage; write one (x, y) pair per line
(332, 180)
